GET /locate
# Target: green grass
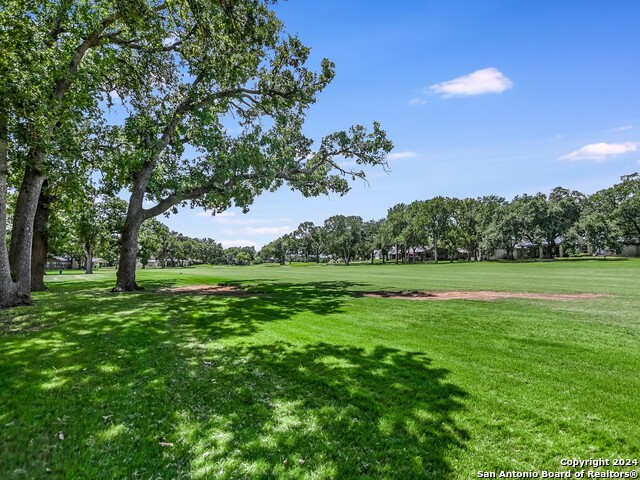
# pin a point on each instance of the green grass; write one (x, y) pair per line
(305, 379)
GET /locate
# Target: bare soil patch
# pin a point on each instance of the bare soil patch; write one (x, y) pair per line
(479, 295)
(220, 290)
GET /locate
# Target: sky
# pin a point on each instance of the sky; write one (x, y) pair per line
(479, 98)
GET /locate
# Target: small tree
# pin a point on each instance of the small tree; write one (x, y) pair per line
(343, 235)
(598, 230)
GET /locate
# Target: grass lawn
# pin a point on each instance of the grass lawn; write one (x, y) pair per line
(306, 379)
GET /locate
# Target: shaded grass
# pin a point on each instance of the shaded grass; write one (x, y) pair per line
(306, 380)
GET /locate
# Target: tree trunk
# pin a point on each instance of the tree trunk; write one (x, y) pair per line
(435, 252)
(88, 256)
(22, 231)
(126, 276)
(40, 246)
(8, 287)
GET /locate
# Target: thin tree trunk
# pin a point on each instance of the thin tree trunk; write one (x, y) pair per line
(40, 246)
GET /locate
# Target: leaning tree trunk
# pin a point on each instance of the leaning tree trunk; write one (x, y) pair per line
(40, 246)
(22, 233)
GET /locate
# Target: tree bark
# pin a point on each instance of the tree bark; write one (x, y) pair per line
(22, 232)
(8, 287)
(40, 246)
(126, 276)
(88, 258)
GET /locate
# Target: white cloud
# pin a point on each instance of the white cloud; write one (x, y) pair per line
(219, 215)
(347, 164)
(231, 218)
(172, 39)
(600, 152)
(622, 129)
(417, 102)
(238, 243)
(227, 231)
(487, 80)
(267, 230)
(398, 155)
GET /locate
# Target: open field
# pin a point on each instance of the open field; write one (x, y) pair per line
(303, 377)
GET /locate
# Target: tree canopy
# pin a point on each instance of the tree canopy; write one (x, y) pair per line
(214, 95)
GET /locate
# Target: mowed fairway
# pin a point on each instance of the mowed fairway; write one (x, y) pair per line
(303, 378)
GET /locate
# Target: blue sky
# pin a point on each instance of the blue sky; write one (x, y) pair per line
(479, 98)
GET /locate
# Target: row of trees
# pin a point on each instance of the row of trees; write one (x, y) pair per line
(178, 103)
(476, 227)
(95, 230)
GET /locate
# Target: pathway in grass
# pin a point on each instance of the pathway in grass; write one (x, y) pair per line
(477, 295)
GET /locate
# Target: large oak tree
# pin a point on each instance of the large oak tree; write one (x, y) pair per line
(224, 122)
(58, 57)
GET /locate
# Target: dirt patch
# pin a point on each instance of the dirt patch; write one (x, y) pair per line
(480, 295)
(219, 290)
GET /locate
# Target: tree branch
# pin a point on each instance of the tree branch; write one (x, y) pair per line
(191, 194)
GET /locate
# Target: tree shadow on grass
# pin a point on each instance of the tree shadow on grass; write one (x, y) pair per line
(218, 316)
(328, 411)
(133, 386)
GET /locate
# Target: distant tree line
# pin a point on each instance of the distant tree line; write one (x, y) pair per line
(474, 228)
(85, 231)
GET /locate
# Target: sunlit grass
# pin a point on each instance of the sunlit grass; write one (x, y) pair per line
(305, 379)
